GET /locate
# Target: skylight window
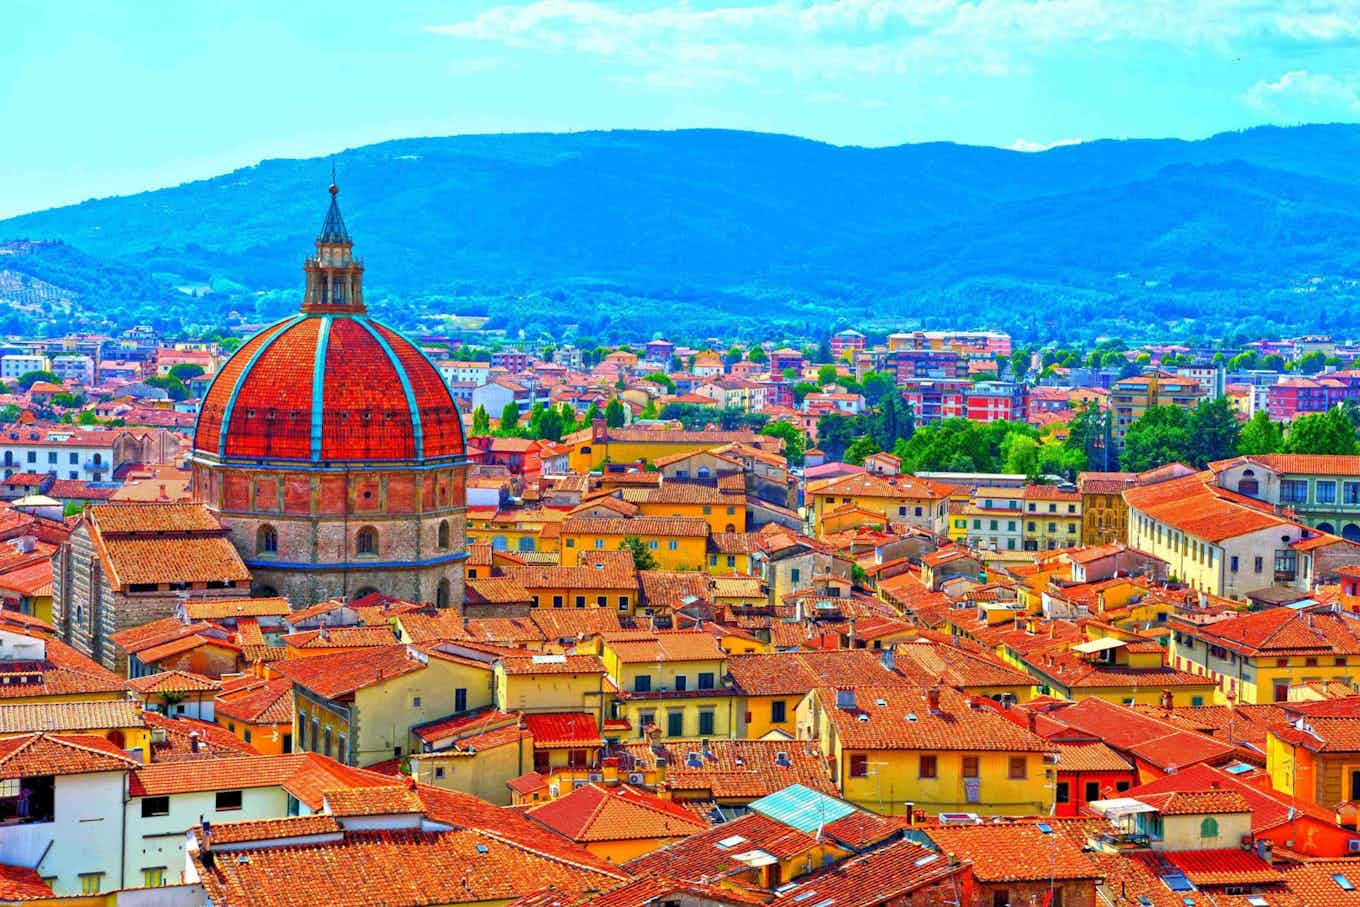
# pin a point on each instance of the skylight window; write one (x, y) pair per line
(729, 843)
(926, 860)
(1342, 882)
(804, 895)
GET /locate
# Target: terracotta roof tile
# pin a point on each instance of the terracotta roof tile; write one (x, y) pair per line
(1223, 867)
(174, 682)
(887, 875)
(60, 754)
(1007, 852)
(734, 769)
(900, 718)
(563, 729)
(22, 718)
(594, 813)
(394, 799)
(342, 673)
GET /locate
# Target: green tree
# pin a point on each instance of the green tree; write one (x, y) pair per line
(802, 389)
(757, 354)
(481, 422)
(1020, 455)
(1019, 361)
(860, 448)
(28, 379)
(642, 556)
(1322, 433)
(876, 386)
(893, 421)
(172, 386)
(550, 425)
(834, 435)
(9, 413)
(1214, 432)
(613, 413)
(649, 411)
(87, 418)
(1311, 363)
(509, 424)
(795, 443)
(186, 371)
(826, 374)
(1261, 435)
(662, 379)
(592, 413)
(1160, 436)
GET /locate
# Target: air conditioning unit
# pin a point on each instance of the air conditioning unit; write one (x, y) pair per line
(578, 783)
(1353, 845)
(596, 776)
(635, 778)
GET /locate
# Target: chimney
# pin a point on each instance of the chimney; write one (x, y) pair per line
(1031, 720)
(907, 814)
(1168, 701)
(193, 741)
(933, 699)
(889, 658)
(1264, 850)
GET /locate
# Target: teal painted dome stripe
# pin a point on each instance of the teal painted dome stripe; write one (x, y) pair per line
(416, 431)
(279, 330)
(323, 340)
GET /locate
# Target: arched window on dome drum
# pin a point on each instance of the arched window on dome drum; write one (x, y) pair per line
(266, 540)
(366, 541)
(443, 533)
(441, 595)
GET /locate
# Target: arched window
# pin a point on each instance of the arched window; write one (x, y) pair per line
(526, 543)
(702, 472)
(98, 459)
(366, 541)
(498, 543)
(266, 540)
(441, 594)
(1208, 828)
(443, 533)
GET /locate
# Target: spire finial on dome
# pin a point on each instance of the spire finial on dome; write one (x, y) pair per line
(333, 230)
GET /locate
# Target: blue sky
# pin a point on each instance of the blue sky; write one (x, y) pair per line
(110, 98)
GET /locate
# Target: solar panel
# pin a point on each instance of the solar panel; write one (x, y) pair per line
(1178, 882)
(802, 808)
(1044, 827)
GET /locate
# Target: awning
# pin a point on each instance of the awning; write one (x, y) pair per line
(1120, 806)
(1098, 645)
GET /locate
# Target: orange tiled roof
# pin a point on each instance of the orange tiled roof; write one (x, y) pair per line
(174, 682)
(60, 754)
(702, 856)
(1196, 803)
(562, 729)
(341, 637)
(394, 799)
(225, 608)
(1282, 631)
(899, 718)
(264, 702)
(642, 526)
(1007, 853)
(594, 813)
(273, 829)
(22, 718)
(667, 645)
(734, 769)
(395, 869)
(341, 673)
(551, 664)
(887, 875)
(213, 740)
(1223, 867)
(19, 883)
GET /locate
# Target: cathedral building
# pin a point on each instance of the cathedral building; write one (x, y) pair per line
(332, 450)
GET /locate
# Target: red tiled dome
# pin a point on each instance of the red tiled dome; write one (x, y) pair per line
(326, 387)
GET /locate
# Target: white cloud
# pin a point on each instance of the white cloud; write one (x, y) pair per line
(1028, 145)
(833, 38)
(1300, 88)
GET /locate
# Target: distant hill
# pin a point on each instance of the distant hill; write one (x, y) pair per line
(705, 231)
